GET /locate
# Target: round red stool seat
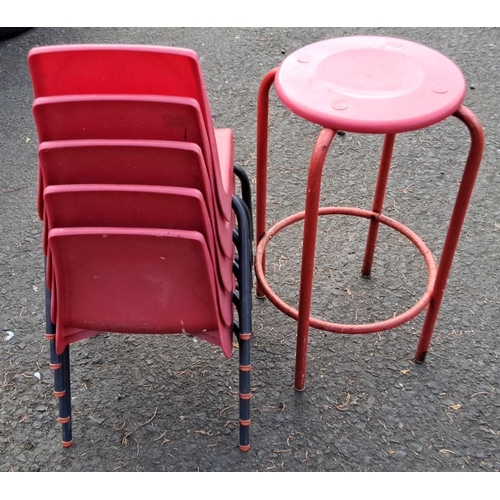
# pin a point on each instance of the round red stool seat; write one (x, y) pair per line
(370, 84)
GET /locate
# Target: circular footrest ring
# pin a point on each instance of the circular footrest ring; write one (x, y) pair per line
(337, 327)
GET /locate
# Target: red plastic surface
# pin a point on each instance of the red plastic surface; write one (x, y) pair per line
(370, 84)
(132, 115)
(126, 69)
(120, 117)
(137, 118)
(156, 163)
(134, 281)
(167, 163)
(90, 205)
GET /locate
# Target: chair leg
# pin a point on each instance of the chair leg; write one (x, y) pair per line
(59, 364)
(55, 359)
(378, 203)
(246, 193)
(236, 234)
(243, 331)
(65, 402)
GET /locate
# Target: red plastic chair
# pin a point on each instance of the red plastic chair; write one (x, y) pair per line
(165, 163)
(137, 280)
(134, 117)
(135, 122)
(108, 205)
(142, 280)
(128, 69)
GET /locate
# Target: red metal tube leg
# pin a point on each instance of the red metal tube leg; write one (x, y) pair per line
(262, 149)
(455, 227)
(308, 251)
(378, 203)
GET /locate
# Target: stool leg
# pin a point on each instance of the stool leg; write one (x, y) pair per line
(262, 149)
(308, 251)
(378, 203)
(454, 229)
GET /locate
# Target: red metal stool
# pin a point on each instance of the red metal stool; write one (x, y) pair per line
(368, 85)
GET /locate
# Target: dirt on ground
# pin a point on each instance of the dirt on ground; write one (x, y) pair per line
(169, 403)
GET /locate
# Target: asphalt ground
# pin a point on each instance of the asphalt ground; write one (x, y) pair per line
(169, 403)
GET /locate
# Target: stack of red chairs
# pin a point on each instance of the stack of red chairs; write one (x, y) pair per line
(143, 231)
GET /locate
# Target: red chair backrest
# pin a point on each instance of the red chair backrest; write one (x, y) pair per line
(120, 117)
(134, 280)
(119, 69)
(90, 205)
(167, 163)
(108, 205)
